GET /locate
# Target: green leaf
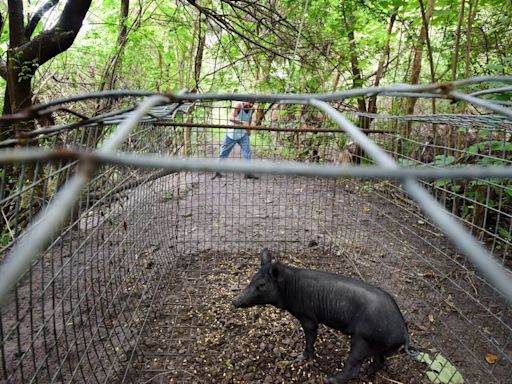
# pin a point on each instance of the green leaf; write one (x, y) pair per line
(441, 182)
(495, 67)
(491, 161)
(508, 190)
(504, 233)
(473, 149)
(443, 160)
(440, 371)
(433, 377)
(456, 188)
(407, 162)
(424, 358)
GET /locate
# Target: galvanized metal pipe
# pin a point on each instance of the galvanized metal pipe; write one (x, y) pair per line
(258, 166)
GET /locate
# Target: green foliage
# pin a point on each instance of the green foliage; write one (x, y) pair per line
(489, 147)
(5, 238)
(407, 162)
(443, 160)
(440, 370)
(244, 54)
(27, 69)
(494, 194)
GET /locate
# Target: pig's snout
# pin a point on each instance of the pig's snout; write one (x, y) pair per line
(240, 301)
(236, 302)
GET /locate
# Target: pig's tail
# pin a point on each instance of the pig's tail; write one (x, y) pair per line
(413, 352)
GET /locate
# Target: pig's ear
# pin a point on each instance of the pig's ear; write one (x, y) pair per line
(266, 259)
(275, 272)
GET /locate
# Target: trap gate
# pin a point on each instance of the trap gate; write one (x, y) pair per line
(120, 254)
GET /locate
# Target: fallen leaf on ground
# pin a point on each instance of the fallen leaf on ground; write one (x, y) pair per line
(491, 358)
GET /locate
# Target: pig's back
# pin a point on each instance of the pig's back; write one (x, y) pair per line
(351, 305)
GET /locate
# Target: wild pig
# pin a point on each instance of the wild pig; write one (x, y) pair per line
(368, 314)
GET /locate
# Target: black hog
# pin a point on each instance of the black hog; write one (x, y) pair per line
(368, 314)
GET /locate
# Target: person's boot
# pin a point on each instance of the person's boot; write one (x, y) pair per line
(249, 176)
(217, 175)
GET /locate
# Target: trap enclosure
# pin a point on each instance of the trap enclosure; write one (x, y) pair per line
(121, 268)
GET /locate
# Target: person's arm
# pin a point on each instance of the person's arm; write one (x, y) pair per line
(234, 113)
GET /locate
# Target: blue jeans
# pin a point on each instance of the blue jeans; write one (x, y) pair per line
(229, 143)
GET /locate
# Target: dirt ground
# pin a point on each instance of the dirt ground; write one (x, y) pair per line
(211, 341)
(184, 245)
(197, 336)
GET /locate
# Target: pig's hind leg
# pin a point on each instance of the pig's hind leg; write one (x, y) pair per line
(379, 359)
(377, 364)
(360, 350)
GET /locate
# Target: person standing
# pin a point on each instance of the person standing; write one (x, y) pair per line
(241, 114)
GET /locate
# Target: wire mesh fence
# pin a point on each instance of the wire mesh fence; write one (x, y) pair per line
(481, 204)
(136, 285)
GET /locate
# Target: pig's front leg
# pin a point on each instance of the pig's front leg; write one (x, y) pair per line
(310, 331)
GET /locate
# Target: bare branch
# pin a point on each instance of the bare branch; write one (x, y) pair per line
(221, 21)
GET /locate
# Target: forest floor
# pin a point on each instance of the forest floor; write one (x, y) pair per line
(197, 336)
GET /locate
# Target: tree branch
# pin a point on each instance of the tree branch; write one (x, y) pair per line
(49, 44)
(222, 22)
(37, 17)
(73, 15)
(273, 25)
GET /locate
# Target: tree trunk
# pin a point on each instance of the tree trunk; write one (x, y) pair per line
(19, 71)
(122, 39)
(357, 80)
(200, 32)
(372, 104)
(198, 60)
(336, 80)
(429, 51)
(418, 53)
(455, 61)
(109, 75)
(265, 68)
(416, 63)
(108, 78)
(24, 55)
(473, 9)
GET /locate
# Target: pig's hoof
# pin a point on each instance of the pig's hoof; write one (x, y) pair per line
(374, 368)
(306, 356)
(334, 380)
